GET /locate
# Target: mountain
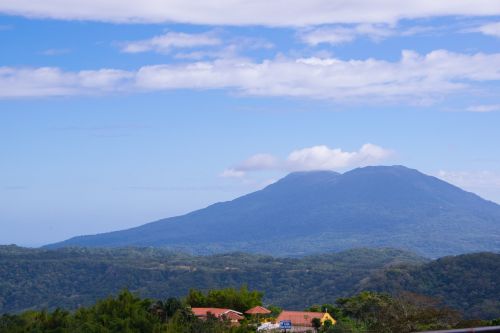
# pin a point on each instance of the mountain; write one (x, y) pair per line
(312, 212)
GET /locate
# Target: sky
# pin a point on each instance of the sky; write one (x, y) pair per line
(117, 113)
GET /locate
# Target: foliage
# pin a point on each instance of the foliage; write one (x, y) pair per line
(230, 298)
(32, 279)
(402, 314)
(124, 314)
(466, 282)
(74, 277)
(316, 323)
(362, 313)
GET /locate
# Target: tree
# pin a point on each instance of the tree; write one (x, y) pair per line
(405, 313)
(237, 299)
(316, 323)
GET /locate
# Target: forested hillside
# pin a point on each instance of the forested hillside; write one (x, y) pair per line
(469, 282)
(69, 278)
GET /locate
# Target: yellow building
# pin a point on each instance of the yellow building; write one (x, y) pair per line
(304, 318)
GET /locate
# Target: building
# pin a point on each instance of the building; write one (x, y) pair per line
(258, 310)
(223, 314)
(303, 319)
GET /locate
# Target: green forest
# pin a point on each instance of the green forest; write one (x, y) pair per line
(77, 278)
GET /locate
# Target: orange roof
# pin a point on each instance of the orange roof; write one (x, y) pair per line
(258, 310)
(299, 318)
(217, 312)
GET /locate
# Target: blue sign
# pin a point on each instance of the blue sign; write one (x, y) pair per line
(285, 324)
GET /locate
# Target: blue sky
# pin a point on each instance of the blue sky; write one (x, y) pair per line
(113, 115)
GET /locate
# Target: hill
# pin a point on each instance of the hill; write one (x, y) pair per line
(467, 282)
(68, 278)
(314, 212)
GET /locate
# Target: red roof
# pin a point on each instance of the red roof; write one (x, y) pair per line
(299, 318)
(258, 310)
(218, 312)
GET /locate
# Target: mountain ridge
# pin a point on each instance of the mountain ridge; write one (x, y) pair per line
(319, 211)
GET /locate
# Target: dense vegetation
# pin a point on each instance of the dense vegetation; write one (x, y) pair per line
(71, 278)
(363, 313)
(35, 279)
(324, 211)
(468, 282)
(124, 314)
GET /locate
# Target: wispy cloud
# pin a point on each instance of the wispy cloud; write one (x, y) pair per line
(483, 182)
(50, 81)
(171, 40)
(490, 29)
(344, 34)
(14, 188)
(484, 108)
(414, 79)
(312, 158)
(340, 34)
(230, 49)
(55, 52)
(257, 12)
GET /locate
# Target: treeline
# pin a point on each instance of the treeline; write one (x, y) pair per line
(127, 313)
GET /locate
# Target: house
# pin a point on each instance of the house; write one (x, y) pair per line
(223, 314)
(301, 319)
(258, 310)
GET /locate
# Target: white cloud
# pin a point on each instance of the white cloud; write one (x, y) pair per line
(484, 108)
(171, 40)
(55, 52)
(243, 12)
(485, 183)
(312, 158)
(325, 158)
(253, 163)
(491, 29)
(258, 162)
(339, 34)
(232, 173)
(343, 34)
(49, 81)
(232, 49)
(469, 179)
(413, 79)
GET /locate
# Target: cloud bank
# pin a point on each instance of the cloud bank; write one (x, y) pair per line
(414, 79)
(242, 12)
(312, 158)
